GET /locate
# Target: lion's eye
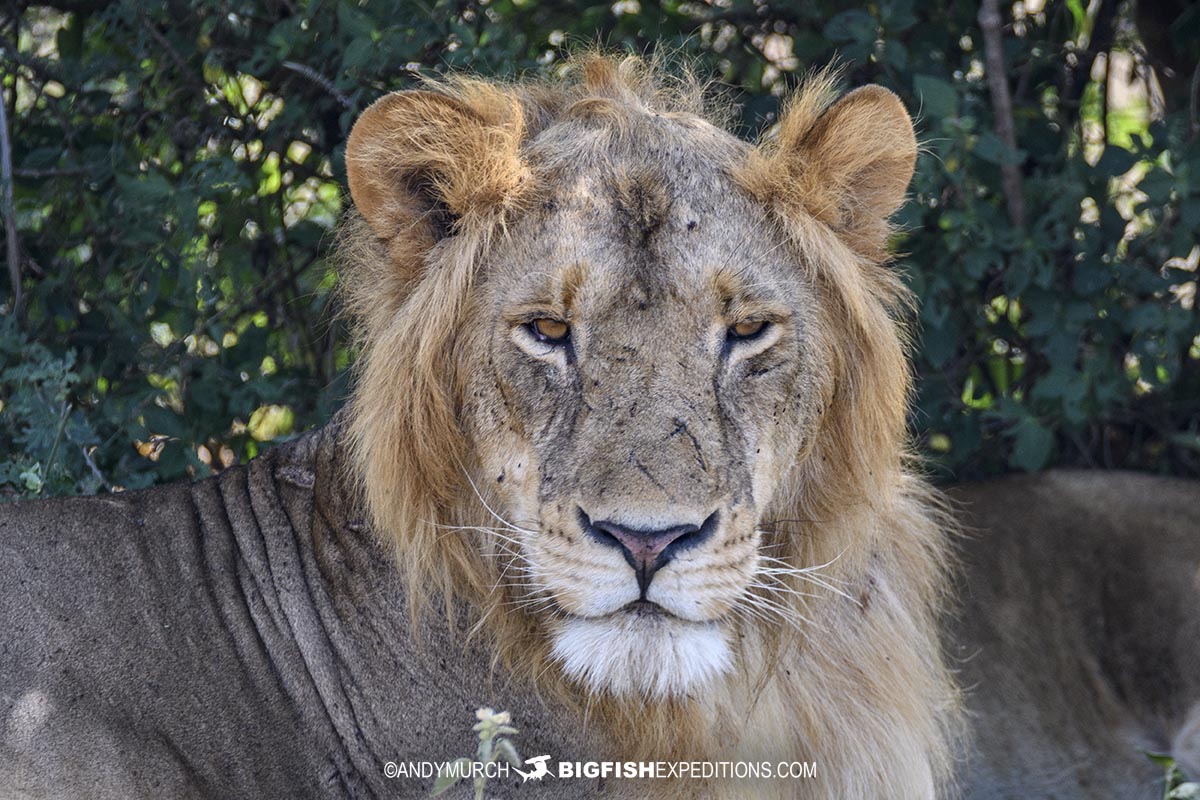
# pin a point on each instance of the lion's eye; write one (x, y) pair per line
(747, 330)
(550, 331)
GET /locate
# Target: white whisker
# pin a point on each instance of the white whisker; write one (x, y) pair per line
(492, 511)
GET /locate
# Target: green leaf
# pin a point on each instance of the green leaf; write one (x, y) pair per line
(898, 15)
(452, 774)
(1078, 15)
(1031, 446)
(1115, 161)
(978, 263)
(851, 26)
(507, 751)
(989, 147)
(354, 22)
(443, 783)
(1158, 185)
(1189, 213)
(1090, 276)
(938, 98)
(70, 38)
(940, 343)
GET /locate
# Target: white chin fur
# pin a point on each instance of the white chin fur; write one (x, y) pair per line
(652, 656)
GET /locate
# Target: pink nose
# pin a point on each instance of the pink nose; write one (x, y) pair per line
(648, 550)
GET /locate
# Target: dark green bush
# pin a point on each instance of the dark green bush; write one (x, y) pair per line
(177, 175)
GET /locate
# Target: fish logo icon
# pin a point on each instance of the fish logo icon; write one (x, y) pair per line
(539, 771)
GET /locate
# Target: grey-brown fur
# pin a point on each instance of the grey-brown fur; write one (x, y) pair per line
(1079, 635)
(244, 637)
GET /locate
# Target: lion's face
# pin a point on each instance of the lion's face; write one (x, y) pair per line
(644, 348)
(651, 375)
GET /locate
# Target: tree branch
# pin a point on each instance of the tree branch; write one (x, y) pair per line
(166, 45)
(12, 245)
(49, 172)
(1010, 173)
(320, 80)
(1194, 104)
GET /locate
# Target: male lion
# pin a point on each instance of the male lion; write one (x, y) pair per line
(626, 456)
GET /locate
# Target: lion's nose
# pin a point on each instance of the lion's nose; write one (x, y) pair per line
(648, 549)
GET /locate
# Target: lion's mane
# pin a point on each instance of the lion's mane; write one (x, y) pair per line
(862, 690)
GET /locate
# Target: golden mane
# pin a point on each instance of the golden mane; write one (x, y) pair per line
(853, 500)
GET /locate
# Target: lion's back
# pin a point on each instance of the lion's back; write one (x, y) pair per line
(1078, 635)
(123, 670)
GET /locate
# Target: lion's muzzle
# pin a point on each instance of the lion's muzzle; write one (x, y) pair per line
(648, 550)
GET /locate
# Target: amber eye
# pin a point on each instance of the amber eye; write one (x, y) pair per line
(747, 330)
(550, 331)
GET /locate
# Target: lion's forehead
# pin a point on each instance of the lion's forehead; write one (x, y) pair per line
(647, 184)
(647, 235)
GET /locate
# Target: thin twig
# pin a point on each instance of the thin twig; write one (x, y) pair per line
(1010, 173)
(49, 172)
(166, 45)
(320, 80)
(1194, 104)
(13, 247)
(87, 457)
(62, 426)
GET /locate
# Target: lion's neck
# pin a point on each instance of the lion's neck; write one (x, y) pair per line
(860, 691)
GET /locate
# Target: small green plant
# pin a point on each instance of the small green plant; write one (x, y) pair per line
(493, 727)
(1176, 785)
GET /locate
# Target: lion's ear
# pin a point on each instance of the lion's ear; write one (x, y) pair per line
(847, 163)
(419, 157)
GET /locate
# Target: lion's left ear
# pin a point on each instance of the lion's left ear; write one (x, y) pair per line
(847, 163)
(428, 159)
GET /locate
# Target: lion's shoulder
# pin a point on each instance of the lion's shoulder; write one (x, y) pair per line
(1077, 629)
(1083, 504)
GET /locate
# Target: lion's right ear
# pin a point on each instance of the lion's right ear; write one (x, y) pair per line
(846, 162)
(425, 158)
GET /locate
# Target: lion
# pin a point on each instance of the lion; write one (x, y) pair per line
(659, 510)
(626, 455)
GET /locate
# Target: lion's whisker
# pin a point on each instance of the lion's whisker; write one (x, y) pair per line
(813, 568)
(531, 606)
(823, 582)
(490, 510)
(803, 574)
(488, 531)
(778, 610)
(782, 590)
